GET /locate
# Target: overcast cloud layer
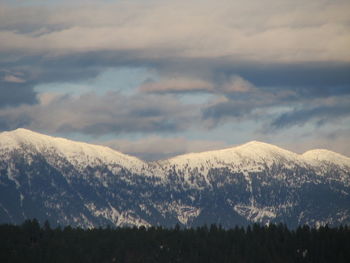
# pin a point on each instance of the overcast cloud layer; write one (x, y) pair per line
(187, 75)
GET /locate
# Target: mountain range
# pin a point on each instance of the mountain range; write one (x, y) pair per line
(85, 185)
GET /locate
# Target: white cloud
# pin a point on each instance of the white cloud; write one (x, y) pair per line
(263, 31)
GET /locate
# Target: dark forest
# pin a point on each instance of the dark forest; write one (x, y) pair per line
(32, 242)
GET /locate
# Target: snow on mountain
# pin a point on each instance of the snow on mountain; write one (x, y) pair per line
(326, 162)
(247, 158)
(253, 156)
(322, 155)
(249, 154)
(78, 154)
(88, 185)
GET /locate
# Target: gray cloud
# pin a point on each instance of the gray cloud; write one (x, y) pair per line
(264, 103)
(228, 109)
(19, 77)
(98, 115)
(253, 103)
(320, 114)
(16, 95)
(306, 79)
(300, 140)
(15, 89)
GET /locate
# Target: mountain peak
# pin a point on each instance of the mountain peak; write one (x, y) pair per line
(21, 134)
(22, 130)
(76, 152)
(324, 155)
(257, 144)
(248, 154)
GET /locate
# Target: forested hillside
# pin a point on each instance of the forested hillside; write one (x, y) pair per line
(31, 242)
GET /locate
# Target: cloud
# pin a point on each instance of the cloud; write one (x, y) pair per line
(255, 61)
(239, 31)
(226, 109)
(177, 85)
(281, 47)
(19, 78)
(12, 95)
(234, 84)
(338, 108)
(334, 140)
(237, 84)
(286, 106)
(157, 148)
(15, 89)
(337, 141)
(111, 113)
(243, 101)
(308, 79)
(13, 78)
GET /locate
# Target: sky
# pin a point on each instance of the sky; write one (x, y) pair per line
(158, 78)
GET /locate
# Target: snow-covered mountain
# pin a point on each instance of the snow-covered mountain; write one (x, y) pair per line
(87, 185)
(78, 154)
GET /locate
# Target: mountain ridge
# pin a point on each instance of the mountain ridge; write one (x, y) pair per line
(25, 133)
(79, 184)
(72, 150)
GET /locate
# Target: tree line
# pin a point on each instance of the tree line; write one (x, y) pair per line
(32, 242)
